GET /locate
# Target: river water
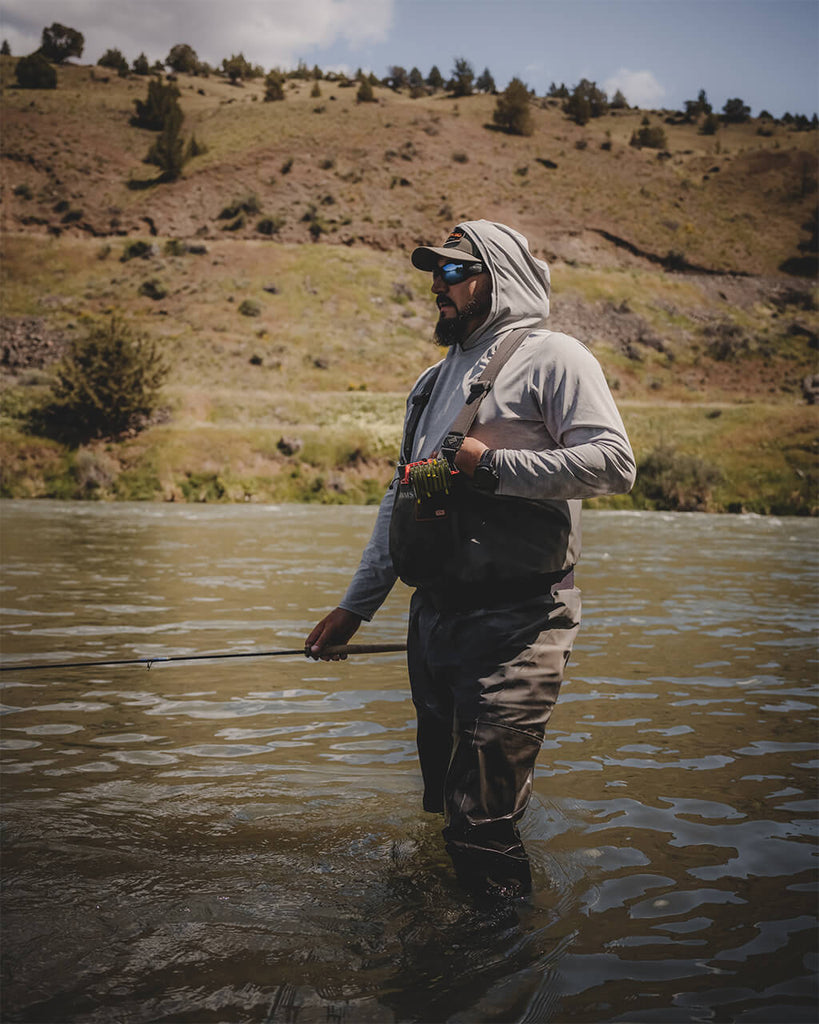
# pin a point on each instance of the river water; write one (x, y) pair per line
(242, 840)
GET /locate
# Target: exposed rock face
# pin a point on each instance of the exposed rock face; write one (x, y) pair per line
(26, 342)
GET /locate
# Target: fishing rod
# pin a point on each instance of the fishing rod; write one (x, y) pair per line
(342, 649)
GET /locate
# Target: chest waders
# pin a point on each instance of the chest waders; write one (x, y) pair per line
(485, 663)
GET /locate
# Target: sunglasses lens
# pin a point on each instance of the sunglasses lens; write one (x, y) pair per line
(454, 273)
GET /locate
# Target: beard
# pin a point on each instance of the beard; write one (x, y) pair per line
(454, 330)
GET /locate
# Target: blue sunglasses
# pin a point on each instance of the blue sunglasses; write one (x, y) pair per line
(454, 273)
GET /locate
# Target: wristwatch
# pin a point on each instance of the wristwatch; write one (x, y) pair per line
(485, 477)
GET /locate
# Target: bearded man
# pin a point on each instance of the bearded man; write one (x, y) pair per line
(491, 630)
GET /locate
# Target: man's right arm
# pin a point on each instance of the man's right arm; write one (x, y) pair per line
(368, 589)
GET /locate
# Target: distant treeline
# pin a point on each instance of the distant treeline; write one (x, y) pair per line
(581, 103)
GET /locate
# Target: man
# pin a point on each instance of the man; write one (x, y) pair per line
(488, 641)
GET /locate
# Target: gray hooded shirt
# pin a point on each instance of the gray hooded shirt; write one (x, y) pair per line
(550, 417)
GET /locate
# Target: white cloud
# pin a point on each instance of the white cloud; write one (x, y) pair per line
(640, 88)
(267, 32)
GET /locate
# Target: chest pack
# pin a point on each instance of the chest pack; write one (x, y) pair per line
(443, 531)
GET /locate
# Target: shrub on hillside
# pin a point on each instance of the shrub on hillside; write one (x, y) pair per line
(735, 111)
(585, 102)
(668, 479)
(274, 86)
(168, 152)
(462, 78)
(649, 136)
(34, 72)
(141, 65)
(183, 59)
(365, 92)
(107, 383)
(59, 42)
(114, 59)
(157, 105)
(512, 110)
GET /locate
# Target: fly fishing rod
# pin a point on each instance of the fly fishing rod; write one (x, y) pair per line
(342, 649)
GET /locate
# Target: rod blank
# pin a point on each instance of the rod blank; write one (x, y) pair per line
(158, 659)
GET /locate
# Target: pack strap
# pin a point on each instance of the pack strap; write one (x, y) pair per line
(478, 390)
(419, 403)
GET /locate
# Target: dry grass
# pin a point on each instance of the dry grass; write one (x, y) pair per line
(343, 322)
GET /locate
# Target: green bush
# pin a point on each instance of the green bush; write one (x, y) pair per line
(649, 137)
(274, 86)
(153, 111)
(108, 382)
(59, 42)
(365, 92)
(668, 479)
(250, 308)
(34, 72)
(512, 109)
(114, 59)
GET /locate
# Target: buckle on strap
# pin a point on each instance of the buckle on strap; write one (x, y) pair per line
(451, 445)
(477, 389)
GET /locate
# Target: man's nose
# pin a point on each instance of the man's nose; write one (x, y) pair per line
(439, 285)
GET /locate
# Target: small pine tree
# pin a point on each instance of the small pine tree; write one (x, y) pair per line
(649, 137)
(182, 58)
(59, 42)
(141, 65)
(108, 382)
(462, 77)
(365, 92)
(619, 101)
(485, 83)
(154, 110)
(435, 80)
(512, 110)
(274, 86)
(315, 92)
(586, 101)
(710, 124)
(34, 72)
(735, 111)
(168, 152)
(5, 49)
(114, 59)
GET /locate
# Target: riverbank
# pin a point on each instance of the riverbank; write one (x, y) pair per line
(304, 400)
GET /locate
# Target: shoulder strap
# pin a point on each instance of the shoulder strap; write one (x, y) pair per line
(419, 402)
(478, 390)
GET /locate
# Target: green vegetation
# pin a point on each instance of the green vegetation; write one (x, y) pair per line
(292, 360)
(512, 109)
(35, 72)
(107, 383)
(59, 42)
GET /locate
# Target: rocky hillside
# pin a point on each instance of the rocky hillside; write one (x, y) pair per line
(690, 270)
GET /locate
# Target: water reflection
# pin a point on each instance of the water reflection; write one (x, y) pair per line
(243, 840)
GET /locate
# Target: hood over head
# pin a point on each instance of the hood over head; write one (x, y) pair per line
(520, 282)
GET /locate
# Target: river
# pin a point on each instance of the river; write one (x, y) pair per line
(242, 840)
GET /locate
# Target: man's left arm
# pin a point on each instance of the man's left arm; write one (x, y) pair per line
(592, 454)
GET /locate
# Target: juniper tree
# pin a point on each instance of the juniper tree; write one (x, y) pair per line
(59, 42)
(182, 59)
(34, 72)
(462, 77)
(512, 110)
(108, 382)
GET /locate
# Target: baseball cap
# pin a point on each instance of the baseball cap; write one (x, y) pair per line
(456, 247)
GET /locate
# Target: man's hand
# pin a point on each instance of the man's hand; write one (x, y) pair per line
(335, 628)
(468, 455)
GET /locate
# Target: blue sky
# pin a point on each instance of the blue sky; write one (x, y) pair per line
(659, 52)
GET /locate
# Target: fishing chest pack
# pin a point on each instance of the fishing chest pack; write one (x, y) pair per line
(446, 535)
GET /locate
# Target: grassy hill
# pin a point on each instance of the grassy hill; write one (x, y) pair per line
(688, 271)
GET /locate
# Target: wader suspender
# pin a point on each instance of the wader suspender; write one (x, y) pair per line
(478, 390)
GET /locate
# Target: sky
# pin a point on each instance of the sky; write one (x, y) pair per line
(657, 52)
